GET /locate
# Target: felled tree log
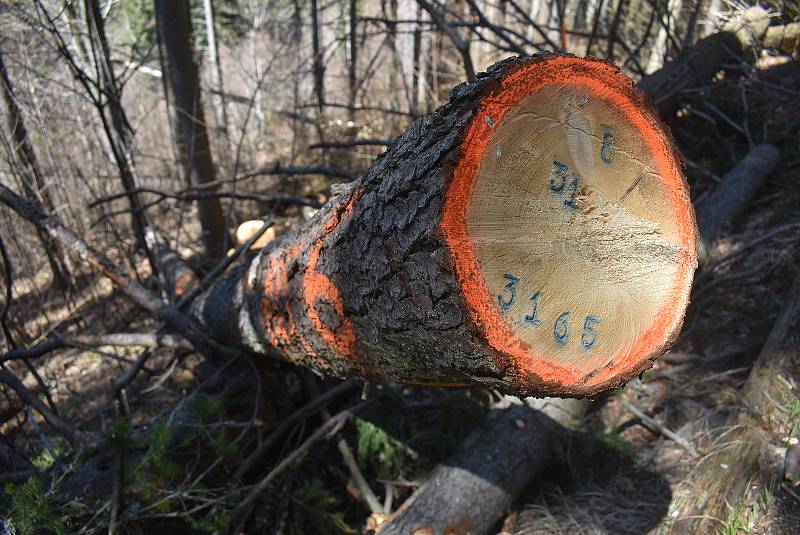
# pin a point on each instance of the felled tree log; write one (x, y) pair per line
(741, 184)
(470, 492)
(699, 63)
(453, 260)
(734, 477)
(497, 242)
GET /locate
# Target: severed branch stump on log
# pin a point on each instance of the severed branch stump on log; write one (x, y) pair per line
(533, 235)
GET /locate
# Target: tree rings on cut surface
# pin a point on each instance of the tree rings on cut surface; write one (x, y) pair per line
(570, 226)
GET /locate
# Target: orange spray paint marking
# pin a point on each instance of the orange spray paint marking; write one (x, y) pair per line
(275, 304)
(318, 287)
(603, 81)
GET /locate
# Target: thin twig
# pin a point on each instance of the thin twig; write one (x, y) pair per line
(327, 429)
(658, 427)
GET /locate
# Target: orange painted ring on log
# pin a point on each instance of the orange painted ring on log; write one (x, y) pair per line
(603, 81)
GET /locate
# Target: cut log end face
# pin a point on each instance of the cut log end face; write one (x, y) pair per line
(570, 227)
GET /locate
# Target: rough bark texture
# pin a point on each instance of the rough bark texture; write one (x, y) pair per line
(490, 470)
(175, 25)
(367, 287)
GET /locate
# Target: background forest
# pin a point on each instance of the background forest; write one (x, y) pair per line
(189, 118)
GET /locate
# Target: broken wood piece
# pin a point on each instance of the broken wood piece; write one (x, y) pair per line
(248, 229)
(784, 37)
(177, 275)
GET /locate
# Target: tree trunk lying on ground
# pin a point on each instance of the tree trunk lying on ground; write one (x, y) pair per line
(491, 468)
(696, 65)
(453, 260)
(742, 182)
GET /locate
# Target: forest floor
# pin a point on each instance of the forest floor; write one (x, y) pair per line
(616, 476)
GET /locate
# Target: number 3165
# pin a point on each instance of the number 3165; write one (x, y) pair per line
(561, 325)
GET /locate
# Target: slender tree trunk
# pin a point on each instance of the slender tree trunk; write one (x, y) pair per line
(173, 18)
(352, 71)
(318, 65)
(423, 62)
(32, 178)
(176, 145)
(619, 15)
(406, 10)
(216, 72)
(115, 122)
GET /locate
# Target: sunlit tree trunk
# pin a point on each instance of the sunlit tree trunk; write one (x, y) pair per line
(216, 72)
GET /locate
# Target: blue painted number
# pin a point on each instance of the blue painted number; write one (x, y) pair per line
(589, 336)
(505, 304)
(532, 318)
(607, 150)
(561, 328)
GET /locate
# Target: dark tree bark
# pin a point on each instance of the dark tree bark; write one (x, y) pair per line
(692, 68)
(698, 64)
(490, 470)
(724, 204)
(174, 21)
